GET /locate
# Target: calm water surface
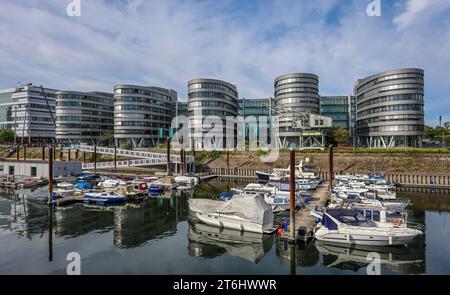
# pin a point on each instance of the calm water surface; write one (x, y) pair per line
(157, 237)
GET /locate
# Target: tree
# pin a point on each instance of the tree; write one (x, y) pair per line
(340, 136)
(6, 134)
(107, 138)
(436, 134)
(127, 146)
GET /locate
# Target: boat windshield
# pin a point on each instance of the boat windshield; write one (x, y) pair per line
(352, 217)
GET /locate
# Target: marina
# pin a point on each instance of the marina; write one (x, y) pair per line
(158, 236)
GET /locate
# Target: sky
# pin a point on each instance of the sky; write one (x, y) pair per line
(248, 43)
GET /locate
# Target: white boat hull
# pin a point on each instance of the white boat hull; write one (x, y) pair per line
(366, 237)
(233, 222)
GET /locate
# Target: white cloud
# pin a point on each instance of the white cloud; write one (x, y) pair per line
(419, 12)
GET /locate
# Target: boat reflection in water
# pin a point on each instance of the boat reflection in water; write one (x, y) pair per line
(406, 260)
(305, 254)
(210, 241)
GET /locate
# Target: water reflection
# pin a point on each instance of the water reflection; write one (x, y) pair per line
(149, 221)
(23, 215)
(210, 241)
(305, 255)
(405, 260)
(131, 238)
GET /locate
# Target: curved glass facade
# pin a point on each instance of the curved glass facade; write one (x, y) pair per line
(142, 115)
(209, 97)
(390, 109)
(83, 117)
(295, 94)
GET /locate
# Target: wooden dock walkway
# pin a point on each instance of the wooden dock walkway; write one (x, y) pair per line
(304, 221)
(77, 198)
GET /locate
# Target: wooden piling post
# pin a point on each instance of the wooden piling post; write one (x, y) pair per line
(168, 157)
(330, 167)
(43, 153)
(18, 152)
(76, 155)
(84, 157)
(25, 152)
(50, 174)
(68, 156)
(228, 159)
(292, 194)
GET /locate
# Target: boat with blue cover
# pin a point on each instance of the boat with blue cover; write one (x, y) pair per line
(103, 198)
(351, 227)
(83, 186)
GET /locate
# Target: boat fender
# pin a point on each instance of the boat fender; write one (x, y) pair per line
(397, 222)
(242, 228)
(220, 224)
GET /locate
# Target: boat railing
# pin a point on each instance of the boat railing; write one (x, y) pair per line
(415, 225)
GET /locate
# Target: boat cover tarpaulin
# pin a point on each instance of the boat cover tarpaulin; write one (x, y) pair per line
(252, 208)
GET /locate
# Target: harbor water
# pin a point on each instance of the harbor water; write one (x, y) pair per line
(158, 237)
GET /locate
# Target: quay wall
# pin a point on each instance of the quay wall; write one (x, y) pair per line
(435, 180)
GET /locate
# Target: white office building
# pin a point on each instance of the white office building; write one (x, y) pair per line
(26, 111)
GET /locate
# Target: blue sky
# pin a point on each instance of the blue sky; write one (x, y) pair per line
(166, 43)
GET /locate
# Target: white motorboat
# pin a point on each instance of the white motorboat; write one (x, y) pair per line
(186, 182)
(280, 174)
(111, 183)
(307, 184)
(243, 212)
(360, 200)
(351, 227)
(381, 193)
(279, 200)
(64, 189)
(65, 185)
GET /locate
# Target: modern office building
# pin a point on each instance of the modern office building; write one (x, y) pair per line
(143, 115)
(298, 107)
(182, 108)
(28, 113)
(390, 109)
(83, 117)
(257, 107)
(260, 109)
(338, 108)
(210, 97)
